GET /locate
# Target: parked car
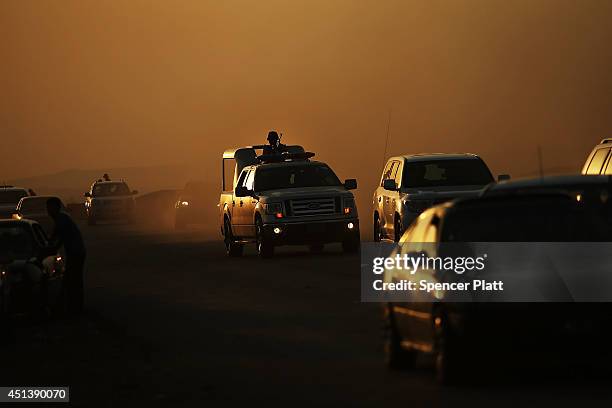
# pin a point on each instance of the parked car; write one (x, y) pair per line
(35, 208)
(30, 273)
(285, 199)
(412, 183)
(110, 201)
(191, 205)
(456, 333)
(9, 198)
(598, 161)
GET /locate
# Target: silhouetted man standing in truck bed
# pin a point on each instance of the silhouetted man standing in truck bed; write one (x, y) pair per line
(68, 235)
(274, 145)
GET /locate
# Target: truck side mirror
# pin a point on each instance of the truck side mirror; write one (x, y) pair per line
(87, 194)
(503, 177)
(350, 184)
(241, 191)
(389, 184)
(134, 192)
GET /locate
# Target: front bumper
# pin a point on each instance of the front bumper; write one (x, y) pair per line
(320, 232)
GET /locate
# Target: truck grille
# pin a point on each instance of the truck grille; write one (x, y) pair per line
(312, 206)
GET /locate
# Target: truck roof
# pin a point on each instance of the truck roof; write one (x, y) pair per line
(436, 156)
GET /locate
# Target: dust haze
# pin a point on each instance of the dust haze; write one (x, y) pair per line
(151, 84)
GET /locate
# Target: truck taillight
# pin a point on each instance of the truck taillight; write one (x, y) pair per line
(279, 215)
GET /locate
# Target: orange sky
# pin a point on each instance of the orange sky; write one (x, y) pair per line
(94, 84)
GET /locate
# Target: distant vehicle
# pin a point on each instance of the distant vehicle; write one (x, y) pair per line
(598, 161)
(110, 201)
(30, 274)
(9, 198)
(35, 208)
(454, 333)
(190, 206)
(284, 199)
(412, 183)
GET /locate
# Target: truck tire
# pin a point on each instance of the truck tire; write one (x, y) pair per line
(232, 248)
(265, 248)
(377, 229)
(396, 357)
(397, 230)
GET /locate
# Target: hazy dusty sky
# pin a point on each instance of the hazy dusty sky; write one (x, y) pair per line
(91, 84)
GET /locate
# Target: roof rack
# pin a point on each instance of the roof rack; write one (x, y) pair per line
(285, 156)
(606, 140)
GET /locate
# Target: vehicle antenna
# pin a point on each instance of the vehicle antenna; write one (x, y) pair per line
(387, 138)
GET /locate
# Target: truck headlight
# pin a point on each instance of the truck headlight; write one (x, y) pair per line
(275, 209)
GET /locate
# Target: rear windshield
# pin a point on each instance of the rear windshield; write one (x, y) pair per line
(16, 242)
(440, 173)
(110, 189)
(529, 219)
(12, 196)
(276, 178)
(34, 205)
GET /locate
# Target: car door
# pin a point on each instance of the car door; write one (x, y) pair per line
(414, 315)
(237, 207)
(248, 204)
(381, 196)
(390, 202)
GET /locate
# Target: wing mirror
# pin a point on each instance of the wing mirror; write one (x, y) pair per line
(350, 184)
(389, 184)
(503, 177)
(134, 192)
(87, 194)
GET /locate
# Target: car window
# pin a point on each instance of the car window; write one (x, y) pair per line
(40, 235)
(597, 161)
(387, 172)
(31, 205)
(242, 177)
(608, 170)
(297, 176)
(248, 183)
(436, 173)
(12, 196)
(397, 174)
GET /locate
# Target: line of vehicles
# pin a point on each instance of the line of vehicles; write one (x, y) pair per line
(575, 208)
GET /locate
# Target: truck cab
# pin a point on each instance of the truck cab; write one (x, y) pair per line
(284, 199)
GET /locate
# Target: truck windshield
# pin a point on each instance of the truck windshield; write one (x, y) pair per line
(441, 173)
(311, 175)
(12, 196)
(110, 189)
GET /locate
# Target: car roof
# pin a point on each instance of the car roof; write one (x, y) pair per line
(11, 188)
(552, 182)
(111, 182)
(23, 221)
(419, 157)
(39, 197)
(287, 164)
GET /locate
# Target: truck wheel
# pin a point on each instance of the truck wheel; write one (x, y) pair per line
(232, 248)
(447, 356)
(377, 229)
(397, 230)
(265, 249)
(396, 357)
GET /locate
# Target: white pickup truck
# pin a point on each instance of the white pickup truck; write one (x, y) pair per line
(284, 199)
